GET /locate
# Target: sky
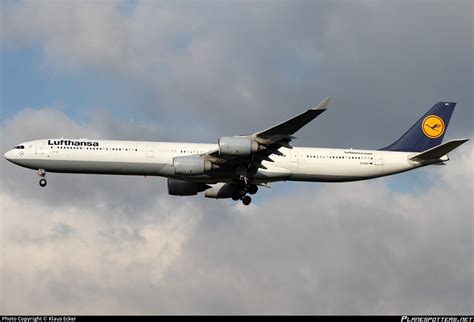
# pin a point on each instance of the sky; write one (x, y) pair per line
(198, 70)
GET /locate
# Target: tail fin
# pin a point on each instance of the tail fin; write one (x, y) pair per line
(427, 132)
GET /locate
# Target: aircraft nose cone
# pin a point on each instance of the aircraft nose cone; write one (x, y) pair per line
(8, 155)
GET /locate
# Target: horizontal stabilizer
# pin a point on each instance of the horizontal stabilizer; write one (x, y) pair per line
(438, 151)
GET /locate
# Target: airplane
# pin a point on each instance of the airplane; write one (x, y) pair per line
(237, 166)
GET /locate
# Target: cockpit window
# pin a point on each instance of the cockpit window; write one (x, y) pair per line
(20, 147)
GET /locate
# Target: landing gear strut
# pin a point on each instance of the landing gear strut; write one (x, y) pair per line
(245, 187)
(42, 181)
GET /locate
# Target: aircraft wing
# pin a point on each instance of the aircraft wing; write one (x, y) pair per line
(290, 127)
(272, 139)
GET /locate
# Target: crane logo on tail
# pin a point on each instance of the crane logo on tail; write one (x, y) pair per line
(433, 126)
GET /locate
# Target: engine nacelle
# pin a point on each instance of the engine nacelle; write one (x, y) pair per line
(191, 165)
(221, 190)
(184, 188)
(236, 145)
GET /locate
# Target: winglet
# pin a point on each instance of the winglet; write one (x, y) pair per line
(323, 105)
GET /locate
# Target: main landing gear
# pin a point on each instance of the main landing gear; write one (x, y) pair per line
(241, 193)
(246, 200)
(42, 181)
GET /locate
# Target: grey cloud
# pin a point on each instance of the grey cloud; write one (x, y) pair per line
(350, 248)
(121, 245)
(58, 231)
(347, 249)
(238, 67)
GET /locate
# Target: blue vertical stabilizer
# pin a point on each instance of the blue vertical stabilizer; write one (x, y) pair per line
(427, 132)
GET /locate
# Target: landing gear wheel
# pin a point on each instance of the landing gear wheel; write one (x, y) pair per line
(43, 183)
(238, 195)
(235, 197)
(246, 200)
(252, 189)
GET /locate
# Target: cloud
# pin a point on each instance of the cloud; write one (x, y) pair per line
(69, 259)
(88, 33)
(197, 71)
(99, 247)
(236, 68)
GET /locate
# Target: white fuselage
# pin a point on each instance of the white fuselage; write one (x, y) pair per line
(156, 159)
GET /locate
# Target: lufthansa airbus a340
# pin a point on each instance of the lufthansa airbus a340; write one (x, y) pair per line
(237, 165)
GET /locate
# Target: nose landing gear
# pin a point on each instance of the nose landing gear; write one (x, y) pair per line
(42, 181)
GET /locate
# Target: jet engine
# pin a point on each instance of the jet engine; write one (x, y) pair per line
(185, 188)
(192, 165)
(237, 145)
